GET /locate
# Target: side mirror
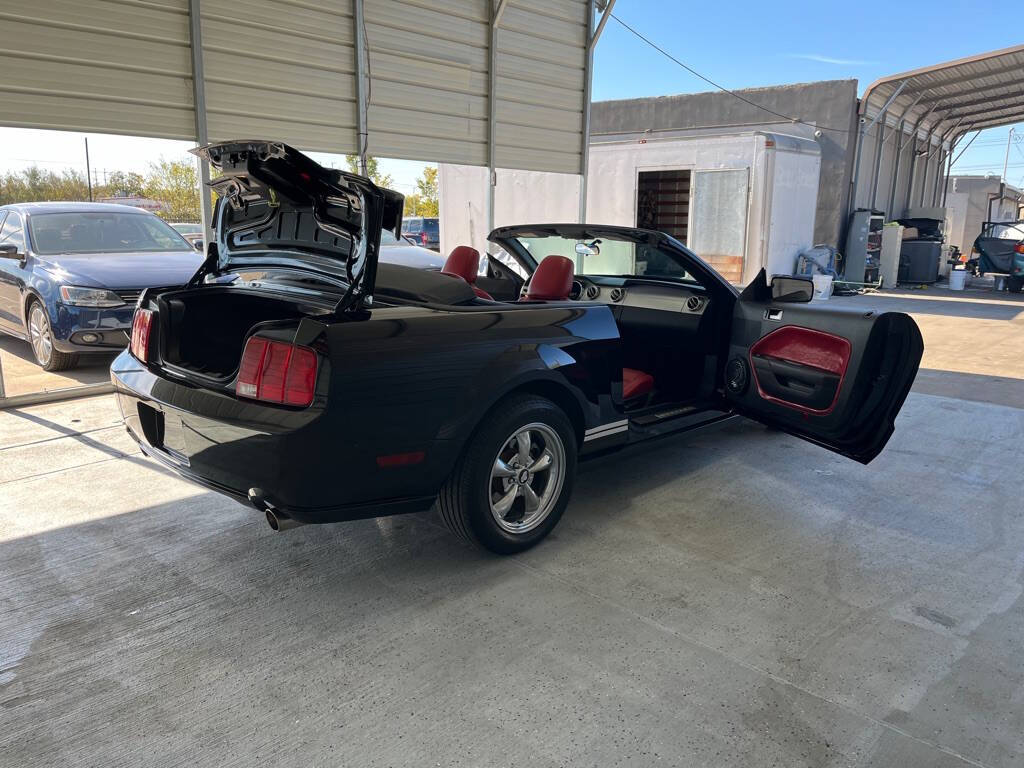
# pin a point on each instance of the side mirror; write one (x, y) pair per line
(583, 249)
(789, 288)
(198, 245)
(9, 251)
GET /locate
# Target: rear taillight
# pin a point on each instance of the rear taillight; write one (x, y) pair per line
(423, 237)
(1019, 248)
(277, 372)
(142, 324)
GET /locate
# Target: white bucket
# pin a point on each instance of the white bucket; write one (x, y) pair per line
(957, 279)
(822, 287)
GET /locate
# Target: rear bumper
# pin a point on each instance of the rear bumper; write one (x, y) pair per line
(234, 446)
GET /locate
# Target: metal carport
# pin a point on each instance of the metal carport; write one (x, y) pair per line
(928, 111)
(496, 83)
(481, 82)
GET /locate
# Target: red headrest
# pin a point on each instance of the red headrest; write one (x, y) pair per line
(552, 280)
(463, 262)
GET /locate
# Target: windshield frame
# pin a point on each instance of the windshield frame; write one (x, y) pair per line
(697, 269)
(171, 231)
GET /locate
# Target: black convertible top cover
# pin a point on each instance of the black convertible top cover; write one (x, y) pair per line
(410, 284)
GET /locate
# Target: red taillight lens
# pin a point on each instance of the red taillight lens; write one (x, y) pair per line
(423, 237)
(142, 323)
(1019, 248)
(277, 372)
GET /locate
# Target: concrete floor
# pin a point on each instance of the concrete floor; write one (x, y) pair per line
(22, 374)
(740, 598)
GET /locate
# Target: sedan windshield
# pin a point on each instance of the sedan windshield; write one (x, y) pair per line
(95, 232)
(607, 256)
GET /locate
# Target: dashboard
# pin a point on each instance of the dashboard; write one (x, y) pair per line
(638, 293)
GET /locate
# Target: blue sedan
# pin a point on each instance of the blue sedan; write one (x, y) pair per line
(70, 274)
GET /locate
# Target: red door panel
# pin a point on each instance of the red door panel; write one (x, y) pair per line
(800, 368)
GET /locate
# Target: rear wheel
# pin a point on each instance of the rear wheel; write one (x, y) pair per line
(40, 336)
(512, 485)
(1014, 284)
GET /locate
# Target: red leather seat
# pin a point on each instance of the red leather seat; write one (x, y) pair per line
(464, 262)
(551, 281)
(635, 383)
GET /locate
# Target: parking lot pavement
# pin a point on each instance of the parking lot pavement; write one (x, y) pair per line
(22, 375)
(736, 598)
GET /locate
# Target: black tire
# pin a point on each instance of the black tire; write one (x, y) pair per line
(38, 327)
(1014, 284)
(465, 499)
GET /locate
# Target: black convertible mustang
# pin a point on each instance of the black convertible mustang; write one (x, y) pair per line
(297, 373)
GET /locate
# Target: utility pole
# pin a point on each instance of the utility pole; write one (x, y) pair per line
(1006, 160)
(88, 168)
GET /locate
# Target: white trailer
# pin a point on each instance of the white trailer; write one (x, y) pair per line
(742, 201)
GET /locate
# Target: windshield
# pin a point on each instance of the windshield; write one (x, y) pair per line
(607, 256)
(387, 237)
(95, 232)
(189, 229)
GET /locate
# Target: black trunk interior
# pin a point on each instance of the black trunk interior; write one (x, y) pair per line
(204, 331)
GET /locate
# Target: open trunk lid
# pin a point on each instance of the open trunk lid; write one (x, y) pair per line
(278, 207)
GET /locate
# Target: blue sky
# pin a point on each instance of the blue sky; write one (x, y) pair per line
(738, 44)
(748, 44)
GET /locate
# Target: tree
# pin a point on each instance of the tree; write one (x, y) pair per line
(372, 170)
(125, 184)
(33, 184)
(176, 184)
(426, 197)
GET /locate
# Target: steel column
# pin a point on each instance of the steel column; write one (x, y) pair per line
(492, 111)
(879, 142)
(588, 78)
(362, 136)
(898, 146)
(199, 105)
(859, 149)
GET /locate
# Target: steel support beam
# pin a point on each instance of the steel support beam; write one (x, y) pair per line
(605, 15)
(859, 150)
(492, 110)
(588, 80)
(898, 152)
(879, 143)
(362, 137)
(199, 106)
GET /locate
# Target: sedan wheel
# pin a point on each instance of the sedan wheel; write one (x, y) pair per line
(515, 477)
(40, 336)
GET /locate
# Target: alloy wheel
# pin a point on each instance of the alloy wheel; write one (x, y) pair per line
(39, 334)
(526, 478)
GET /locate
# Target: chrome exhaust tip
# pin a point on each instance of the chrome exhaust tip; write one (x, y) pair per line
(278, 521)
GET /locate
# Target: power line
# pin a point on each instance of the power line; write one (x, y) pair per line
(722, 88)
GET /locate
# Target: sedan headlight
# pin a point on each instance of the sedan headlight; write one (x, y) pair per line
(89, 297)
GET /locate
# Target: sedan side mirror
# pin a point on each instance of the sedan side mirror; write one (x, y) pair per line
(198, 245)
(9, 251)
(790, 288)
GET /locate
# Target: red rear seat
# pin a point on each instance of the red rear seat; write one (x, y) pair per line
(635, 383)
(464, 262)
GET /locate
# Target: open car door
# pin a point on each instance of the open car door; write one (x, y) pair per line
(836, 376)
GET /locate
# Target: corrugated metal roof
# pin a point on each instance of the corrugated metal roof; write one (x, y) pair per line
(949, 99)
